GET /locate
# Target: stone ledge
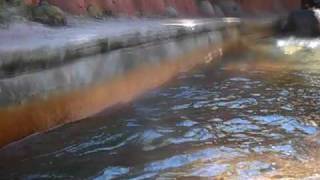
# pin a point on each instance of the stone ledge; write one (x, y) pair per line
(58, 51)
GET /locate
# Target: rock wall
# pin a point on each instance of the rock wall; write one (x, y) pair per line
(182, 7)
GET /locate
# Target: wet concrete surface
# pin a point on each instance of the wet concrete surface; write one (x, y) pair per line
(253, 116)
(27, 43)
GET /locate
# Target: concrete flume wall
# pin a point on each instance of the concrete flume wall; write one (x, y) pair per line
(86, 87)
(36, 101)
(66, 93)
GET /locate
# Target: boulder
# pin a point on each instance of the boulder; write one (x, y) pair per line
(206, 8)
(48, 14)
(171, 12)
(230, 8)
(302, 23)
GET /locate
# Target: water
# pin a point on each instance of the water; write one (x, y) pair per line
(253, 116)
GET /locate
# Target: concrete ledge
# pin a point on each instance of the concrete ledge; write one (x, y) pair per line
(64, 45)
(90, 70)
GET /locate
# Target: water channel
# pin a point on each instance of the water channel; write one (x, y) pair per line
(255, 114)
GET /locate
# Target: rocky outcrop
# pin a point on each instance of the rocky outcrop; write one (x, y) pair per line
(48, 14)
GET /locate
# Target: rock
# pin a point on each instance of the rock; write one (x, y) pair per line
(1, 12)
(230, 8)
(48, 14)
(302, 23)
(171, 12)
(94, 11)
(206, 8)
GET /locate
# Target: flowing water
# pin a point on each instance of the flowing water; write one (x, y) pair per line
(254, 115)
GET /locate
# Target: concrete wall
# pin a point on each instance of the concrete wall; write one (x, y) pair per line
(75, 91)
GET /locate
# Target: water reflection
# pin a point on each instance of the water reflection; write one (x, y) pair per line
(247, 119)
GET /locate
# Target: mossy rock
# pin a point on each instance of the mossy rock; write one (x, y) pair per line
(48, 14)
(171, 12)
(94, 11)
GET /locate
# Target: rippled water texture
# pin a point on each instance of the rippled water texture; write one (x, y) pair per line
(252, 116)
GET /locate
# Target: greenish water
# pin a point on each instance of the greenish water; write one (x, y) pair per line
(252, 115)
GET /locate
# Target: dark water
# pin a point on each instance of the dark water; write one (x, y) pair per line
(244, 118)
